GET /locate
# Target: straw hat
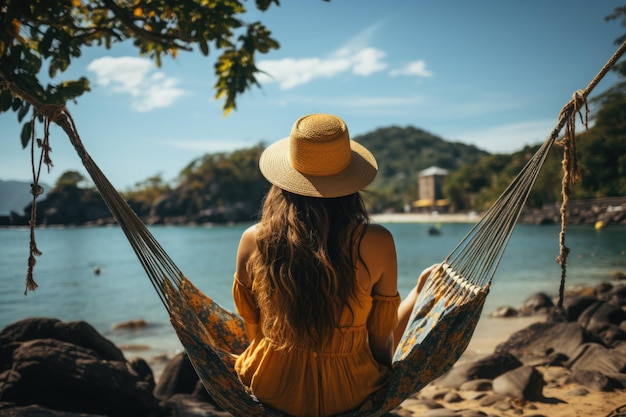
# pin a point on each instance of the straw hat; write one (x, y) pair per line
(318, 159)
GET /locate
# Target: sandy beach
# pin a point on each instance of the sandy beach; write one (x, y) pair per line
(433, 217)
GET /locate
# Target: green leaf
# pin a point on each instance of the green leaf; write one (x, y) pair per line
(46, 42)
(25, 135)
(23, 111)
(17, 103)
(204, 47)
(5, 100)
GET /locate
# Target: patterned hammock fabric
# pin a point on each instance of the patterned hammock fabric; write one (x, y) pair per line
(438, 332)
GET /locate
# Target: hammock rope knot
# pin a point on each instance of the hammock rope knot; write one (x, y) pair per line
(571, 175)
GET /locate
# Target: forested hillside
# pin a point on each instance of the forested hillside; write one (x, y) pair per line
(601, 155)
(401, 154)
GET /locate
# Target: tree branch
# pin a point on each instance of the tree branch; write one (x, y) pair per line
(169, 41)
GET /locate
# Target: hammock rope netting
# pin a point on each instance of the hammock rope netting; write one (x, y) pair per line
(443, 319)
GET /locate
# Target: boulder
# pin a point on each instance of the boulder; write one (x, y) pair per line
(595, 357)
(67, 377)
(539, 342)
(178, 377)
(593, 380)
(71, 368)
(486, 368)
(78, 333)
(525, 383)
(537, 303)
(600, 314)
(576, 304)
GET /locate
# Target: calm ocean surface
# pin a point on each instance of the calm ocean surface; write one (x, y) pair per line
(69, 289)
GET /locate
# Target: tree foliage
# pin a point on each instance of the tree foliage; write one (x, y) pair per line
(601, 160)
(43, 37)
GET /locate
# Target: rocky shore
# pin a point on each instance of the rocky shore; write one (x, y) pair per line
(566, 362)
(600, 212)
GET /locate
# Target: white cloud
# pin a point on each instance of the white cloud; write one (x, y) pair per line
(509, 138)
(368, 61)
(414, 68)
(290, 73)
(354, 57)
(150, 89)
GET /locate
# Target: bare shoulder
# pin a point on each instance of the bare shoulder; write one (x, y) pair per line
(377, 235)
(249, 233)
(378, 253)
(378, 242)
(247, 246)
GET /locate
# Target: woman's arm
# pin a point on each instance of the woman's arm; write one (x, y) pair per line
(247, 246)
(379, 254)
(382, 348)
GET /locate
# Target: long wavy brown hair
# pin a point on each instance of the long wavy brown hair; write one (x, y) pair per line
(303, 273)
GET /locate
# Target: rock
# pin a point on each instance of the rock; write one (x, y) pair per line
(576, 304)
(10, 410)
(183, 405)
(524, 383)
(618, 276)
(490, 400)
(476, 385)
(618, 380)
(593, 380)
(612, 334)
(488, 368)
(79, 333)
(68, 377)
(540, 341)
(602, 289)
(426, 402)
(537, 303)
(131, 325)
(595, 357)
(178, 377)
(503, 312)
(600, 314)
(452, 397)
(556, 376)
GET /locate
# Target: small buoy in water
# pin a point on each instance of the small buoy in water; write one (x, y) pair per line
(599, 225)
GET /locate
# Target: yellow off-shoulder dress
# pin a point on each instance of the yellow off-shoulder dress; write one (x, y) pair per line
(308, 383)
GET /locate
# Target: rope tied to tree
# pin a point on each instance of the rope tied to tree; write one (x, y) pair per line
(49, 114)
(571, 175)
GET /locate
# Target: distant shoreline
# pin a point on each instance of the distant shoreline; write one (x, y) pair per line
(425, 218)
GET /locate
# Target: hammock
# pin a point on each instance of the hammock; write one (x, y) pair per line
(442, 321)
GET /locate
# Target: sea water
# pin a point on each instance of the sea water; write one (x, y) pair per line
(70, 289)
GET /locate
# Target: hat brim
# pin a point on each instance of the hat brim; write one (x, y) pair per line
(276, 168)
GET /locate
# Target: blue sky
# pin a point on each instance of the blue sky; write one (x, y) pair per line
(494, 74)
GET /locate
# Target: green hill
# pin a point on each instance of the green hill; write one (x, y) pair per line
(402, 153)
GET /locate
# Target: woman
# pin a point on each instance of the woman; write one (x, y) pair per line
(315, 283)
